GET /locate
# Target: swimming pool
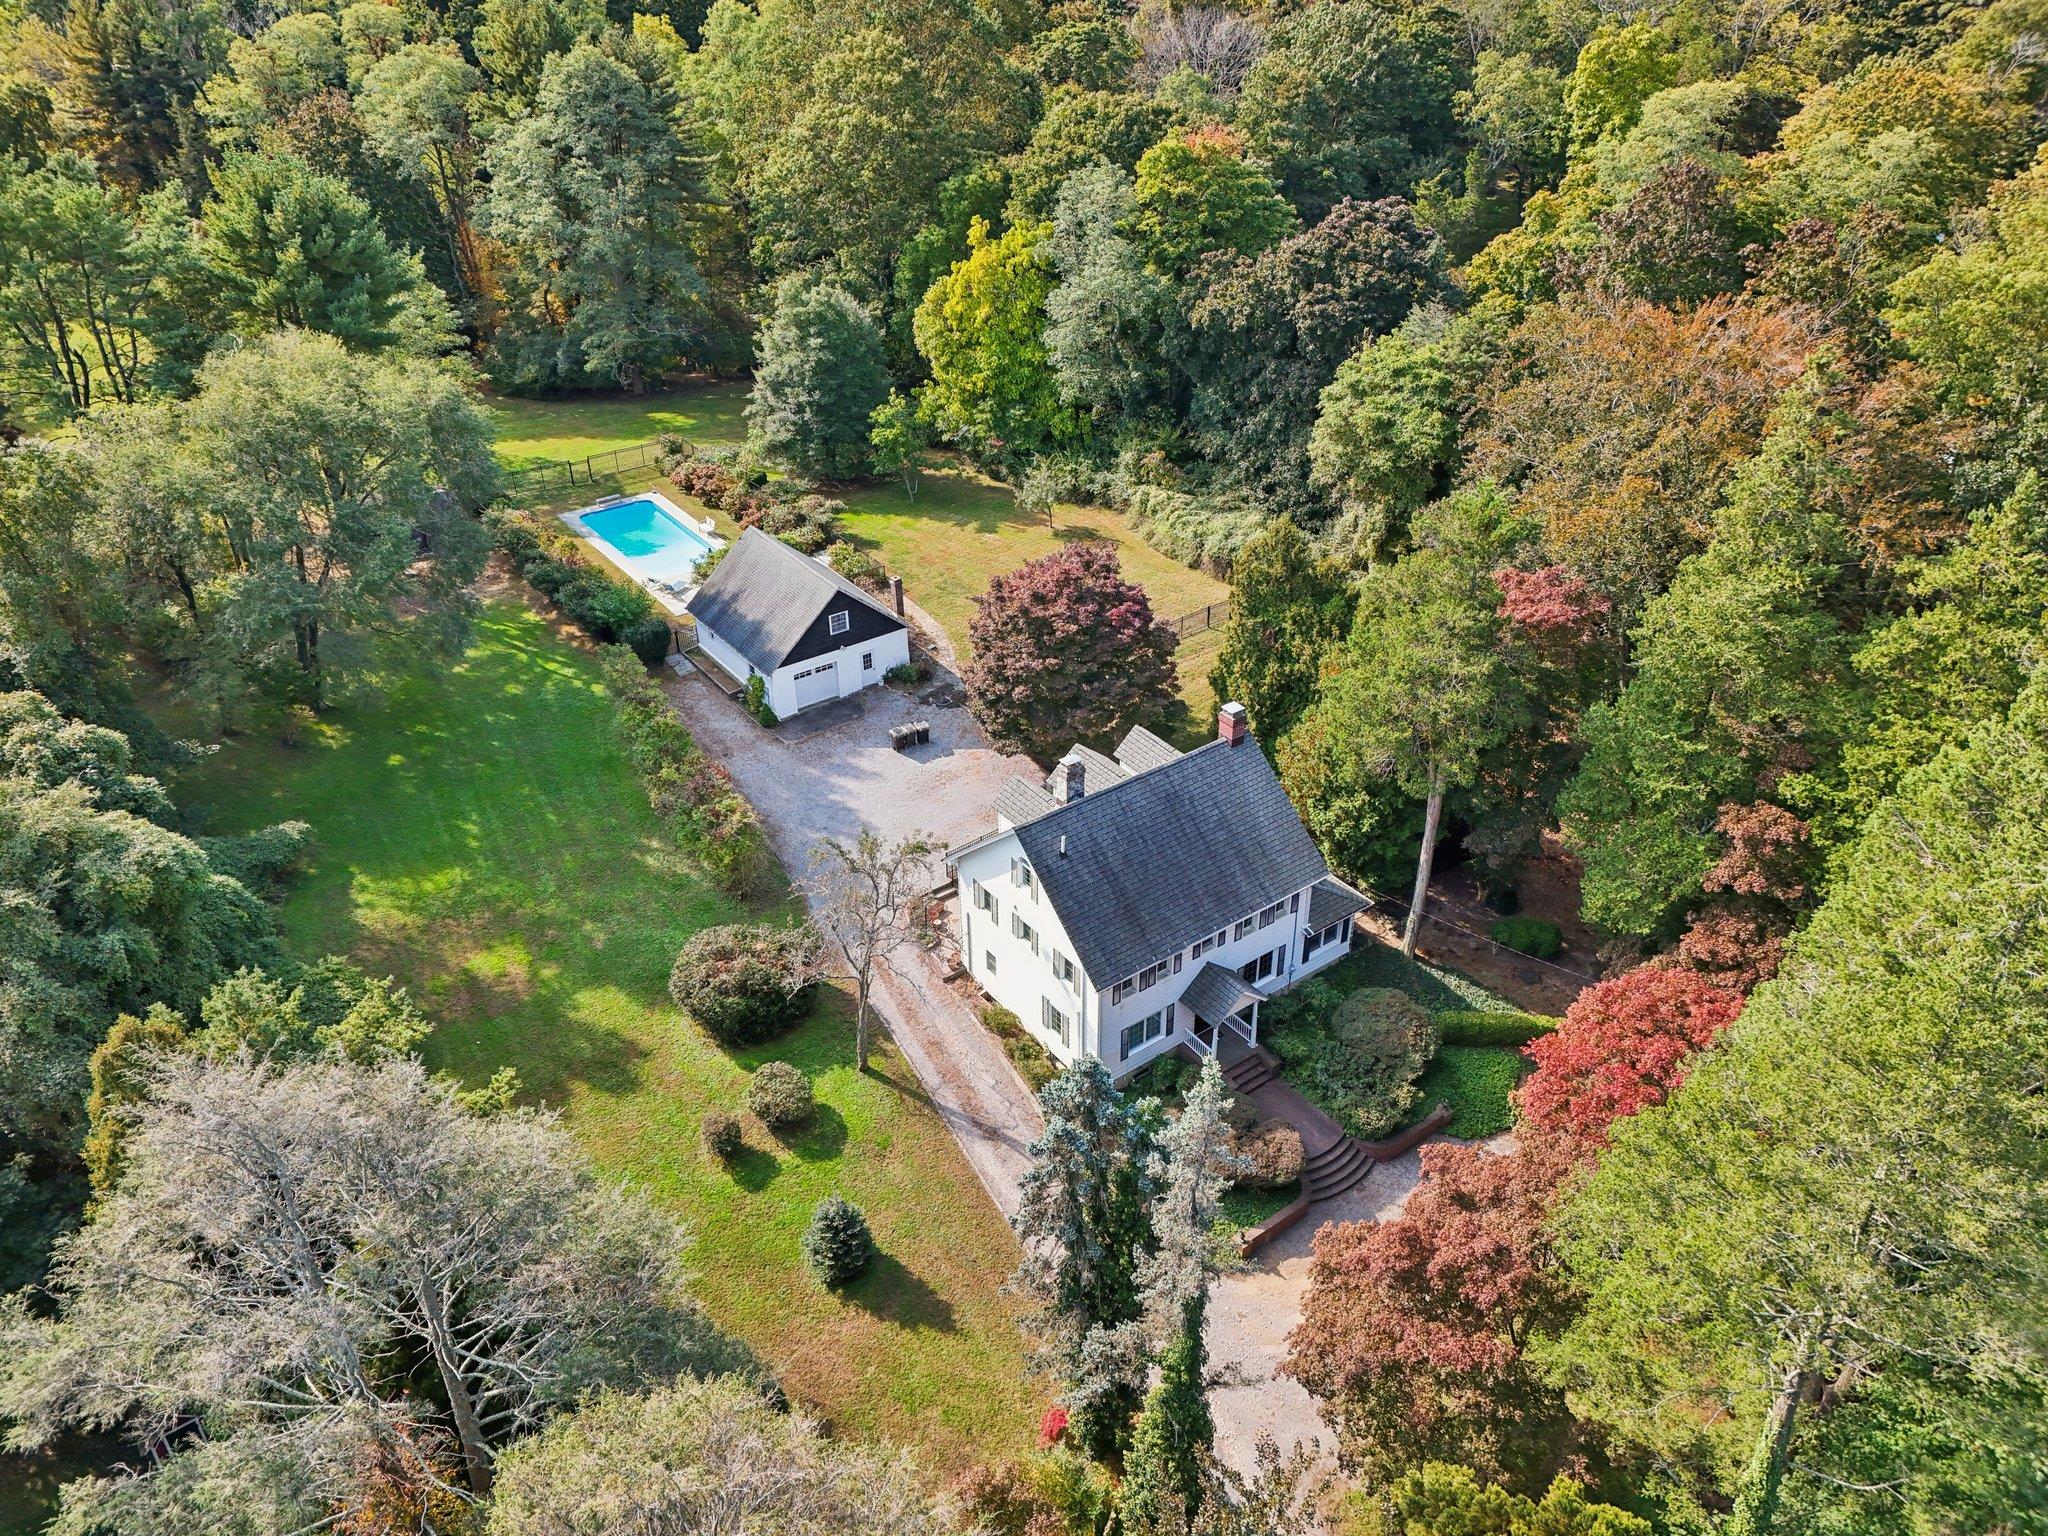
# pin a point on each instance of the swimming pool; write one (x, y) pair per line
(647, 537)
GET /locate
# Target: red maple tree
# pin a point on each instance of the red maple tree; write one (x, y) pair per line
(1623, 1045)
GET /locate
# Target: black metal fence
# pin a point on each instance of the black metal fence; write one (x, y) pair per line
(588, 470)
(1202, 619)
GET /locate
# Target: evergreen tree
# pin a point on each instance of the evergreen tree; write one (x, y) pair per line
(597, 194)
(819, 377)
(1165, 1475)
(1812, 1273)
(1289, 608)
(1085, 1222)
(837, 1245)
(297, 248)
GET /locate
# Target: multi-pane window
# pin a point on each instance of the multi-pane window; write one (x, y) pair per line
(988, 961)
(1062, 968)
(1021, 873)
(1024, 931)
(1272, 914)
(1123, 989)
(1152, 975)
(1204, 946)
(839, 623)
(985, 899)
(1144, 1031)
(1244, 928)
(1057, 1023)
(1265, 965)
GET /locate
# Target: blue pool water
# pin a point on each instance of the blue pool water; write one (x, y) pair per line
(649, 541)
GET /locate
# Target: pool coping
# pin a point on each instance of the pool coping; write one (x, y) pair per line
(676, 604)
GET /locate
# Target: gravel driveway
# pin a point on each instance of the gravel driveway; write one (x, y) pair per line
(834, 781)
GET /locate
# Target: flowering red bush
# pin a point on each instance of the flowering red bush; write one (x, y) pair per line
(1623, 1045)
(1052, 1426)
(1065, 650)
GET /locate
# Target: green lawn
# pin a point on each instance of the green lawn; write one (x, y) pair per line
(959, 529)
(480, 835)
(535, 431)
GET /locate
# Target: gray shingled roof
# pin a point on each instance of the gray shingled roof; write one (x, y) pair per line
(763, 597)
(1217, 992)
(1168, 855)
(1140, 750)
(1331, 901)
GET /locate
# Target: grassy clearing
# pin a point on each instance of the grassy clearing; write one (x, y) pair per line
(946, 541)
(537, 431)
(481, 836)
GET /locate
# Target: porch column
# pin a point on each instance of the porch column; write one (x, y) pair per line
(1255, 1021)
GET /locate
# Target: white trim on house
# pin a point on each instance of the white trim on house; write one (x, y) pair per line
(858, 666)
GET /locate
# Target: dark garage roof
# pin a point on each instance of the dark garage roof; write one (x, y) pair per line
(1144, 867)
(764, 598)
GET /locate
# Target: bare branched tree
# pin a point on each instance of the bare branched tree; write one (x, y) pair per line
(1220, 44)
(325, 1263)
(865, 896)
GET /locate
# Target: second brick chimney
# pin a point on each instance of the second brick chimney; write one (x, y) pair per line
(1232, 727)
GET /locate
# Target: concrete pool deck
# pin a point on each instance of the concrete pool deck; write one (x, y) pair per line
(673, 596)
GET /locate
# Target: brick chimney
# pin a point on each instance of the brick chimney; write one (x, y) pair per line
(1068, 783)
(1232, 728)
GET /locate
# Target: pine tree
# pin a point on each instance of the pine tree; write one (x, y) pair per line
(1086, 1225)
(1173, 1442)
(838, 1245)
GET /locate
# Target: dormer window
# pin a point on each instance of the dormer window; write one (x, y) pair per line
(839, 623)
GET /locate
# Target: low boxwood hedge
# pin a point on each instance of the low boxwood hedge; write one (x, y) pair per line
(1528, 936)
(1468, 1026)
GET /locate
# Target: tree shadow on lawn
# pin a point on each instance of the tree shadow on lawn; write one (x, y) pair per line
(753, 1169)
(892, 1294)
(821, 1138)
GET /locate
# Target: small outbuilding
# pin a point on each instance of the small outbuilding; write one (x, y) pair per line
(772, 612)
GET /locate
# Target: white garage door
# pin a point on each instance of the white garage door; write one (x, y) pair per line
(817, 685)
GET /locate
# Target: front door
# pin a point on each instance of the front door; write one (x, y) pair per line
(817, 685)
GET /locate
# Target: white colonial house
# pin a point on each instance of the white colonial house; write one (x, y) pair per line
(770, 611)
(1148, 900)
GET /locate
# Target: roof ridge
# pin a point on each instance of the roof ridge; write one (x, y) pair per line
(1131, 776)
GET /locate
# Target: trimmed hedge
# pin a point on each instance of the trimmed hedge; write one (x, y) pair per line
(1359, 1059)
(703, 806)
(1528, 936)
(1471, 1027)
(1033, 1062)
(608, 611)
(720, 1133)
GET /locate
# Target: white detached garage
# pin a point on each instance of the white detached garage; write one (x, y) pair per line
(772, 612)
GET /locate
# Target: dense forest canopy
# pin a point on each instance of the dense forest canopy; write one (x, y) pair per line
(1622, 424)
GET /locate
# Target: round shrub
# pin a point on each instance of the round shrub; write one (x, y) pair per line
(1272, 1156)
(746, 981)
(803, 538)
(779, 1095)
(856, 565)
(1528, 935)
(548, 577)
(720, 1132)
(648, 639)
(1387, 1039)
(838, 1245)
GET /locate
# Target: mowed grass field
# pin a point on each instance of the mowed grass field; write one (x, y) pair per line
(946, 541)
(479, 834)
